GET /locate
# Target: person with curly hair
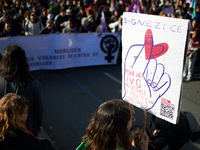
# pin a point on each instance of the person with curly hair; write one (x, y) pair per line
(109, 128)
(16, 78)
(13, 131)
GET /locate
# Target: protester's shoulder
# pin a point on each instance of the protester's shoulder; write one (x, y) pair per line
(1, 34)
(44, 31)
(27, 22)
(161, 123)
(64, 30)
(39, 144)
(36, 84)
(98, 28)
(37, 21)
(19, 141)
(56, 17)
(44, 144)
(33, 143)
(1, 19)
(60, 17)
(2, 80)
(55, 29)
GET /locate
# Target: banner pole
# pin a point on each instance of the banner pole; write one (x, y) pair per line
(144, 122)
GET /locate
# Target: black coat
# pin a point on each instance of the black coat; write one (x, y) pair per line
(187, 16)
(7, 34)
(60, 20)
(170, 134)
(48, 31)
(32, 91)
(24, 141)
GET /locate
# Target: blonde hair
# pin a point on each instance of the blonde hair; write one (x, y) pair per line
(12, 106)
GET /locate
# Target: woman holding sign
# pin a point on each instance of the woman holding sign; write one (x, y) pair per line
(109, 128)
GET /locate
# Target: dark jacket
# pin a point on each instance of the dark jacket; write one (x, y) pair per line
(60, 20)
(187, 16)
(7, 34)
(24, 141)
(32, 91)
(170, 134)
(84, 29)
(48, 31)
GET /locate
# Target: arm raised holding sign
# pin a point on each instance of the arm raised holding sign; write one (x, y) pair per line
(141, 64)
(109, 128)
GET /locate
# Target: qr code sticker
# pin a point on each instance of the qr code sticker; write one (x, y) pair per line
(167, 110)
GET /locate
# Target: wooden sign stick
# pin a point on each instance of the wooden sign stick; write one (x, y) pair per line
(144, 122)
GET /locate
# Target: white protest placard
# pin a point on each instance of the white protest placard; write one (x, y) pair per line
(152, 63)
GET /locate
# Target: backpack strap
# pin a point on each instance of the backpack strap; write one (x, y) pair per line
(5, 88)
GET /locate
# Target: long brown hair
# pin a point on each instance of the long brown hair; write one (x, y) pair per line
(14, 65)
(11, 107)
(107, 129)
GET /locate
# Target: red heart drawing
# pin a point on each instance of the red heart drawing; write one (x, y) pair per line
(158, 49)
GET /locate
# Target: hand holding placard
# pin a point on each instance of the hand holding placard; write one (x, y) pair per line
(141, 61)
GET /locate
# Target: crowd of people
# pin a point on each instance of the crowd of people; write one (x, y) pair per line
(32, 17)
(19, 17)
(21, 107)
(23, 18)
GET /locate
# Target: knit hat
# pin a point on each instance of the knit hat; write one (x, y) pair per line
(62, 4)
